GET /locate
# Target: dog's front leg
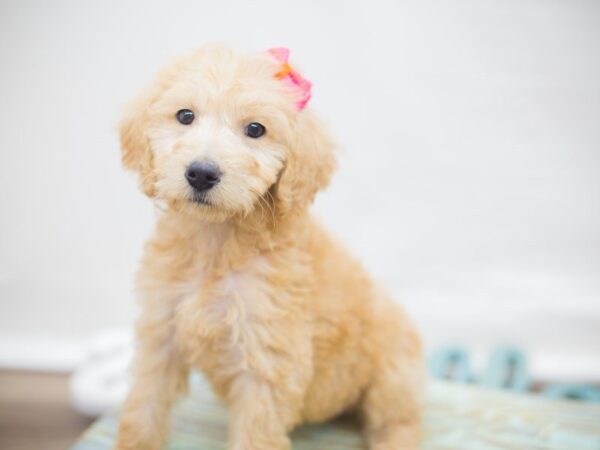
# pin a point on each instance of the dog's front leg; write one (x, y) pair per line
(159, 376)
(260, 419)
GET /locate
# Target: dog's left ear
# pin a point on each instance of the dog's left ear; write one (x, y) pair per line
(308, 168)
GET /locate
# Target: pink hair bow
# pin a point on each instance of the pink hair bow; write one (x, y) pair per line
(299, 84)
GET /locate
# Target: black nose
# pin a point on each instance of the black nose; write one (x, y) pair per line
(202, 175)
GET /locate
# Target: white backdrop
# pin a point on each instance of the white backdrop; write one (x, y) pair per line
(469, 176)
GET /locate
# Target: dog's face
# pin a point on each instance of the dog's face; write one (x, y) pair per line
(220, 136)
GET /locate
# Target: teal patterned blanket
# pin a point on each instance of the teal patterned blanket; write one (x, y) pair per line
(457, 417)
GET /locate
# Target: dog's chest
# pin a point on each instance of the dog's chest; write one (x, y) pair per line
(223, 324)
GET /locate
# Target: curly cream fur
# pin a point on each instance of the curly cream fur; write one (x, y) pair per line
(249, 289)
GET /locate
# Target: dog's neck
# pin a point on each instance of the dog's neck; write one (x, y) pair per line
(226, 245)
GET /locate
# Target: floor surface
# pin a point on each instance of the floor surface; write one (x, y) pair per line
(35, 413)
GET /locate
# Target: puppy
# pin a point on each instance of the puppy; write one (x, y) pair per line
(239, 281)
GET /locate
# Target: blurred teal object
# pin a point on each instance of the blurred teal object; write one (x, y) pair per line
(507, 369)
(451, 363)
(583, 392)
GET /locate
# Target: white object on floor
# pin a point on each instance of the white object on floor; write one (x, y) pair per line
(102, 380)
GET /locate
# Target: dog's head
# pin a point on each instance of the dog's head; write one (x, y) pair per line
(219, 134)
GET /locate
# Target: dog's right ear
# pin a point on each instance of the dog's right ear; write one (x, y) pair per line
(135, 149)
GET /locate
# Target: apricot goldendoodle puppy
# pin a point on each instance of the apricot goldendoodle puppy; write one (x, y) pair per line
(239, 281)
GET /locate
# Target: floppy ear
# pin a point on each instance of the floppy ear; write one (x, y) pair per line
(135, 150)
(308, 167)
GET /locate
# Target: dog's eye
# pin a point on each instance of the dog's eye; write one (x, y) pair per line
(255, 130)
(185, 116)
